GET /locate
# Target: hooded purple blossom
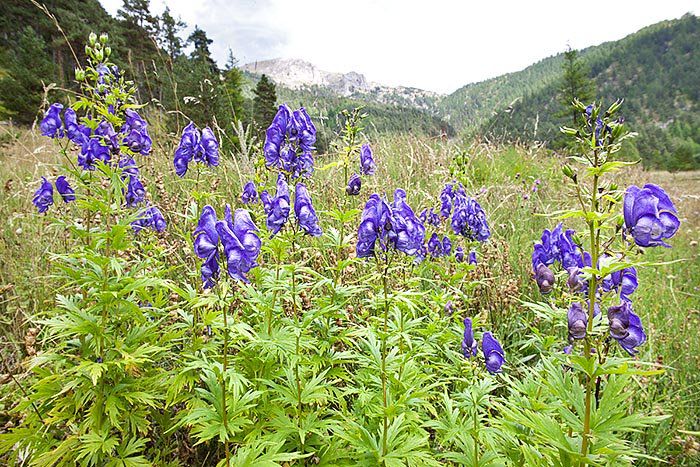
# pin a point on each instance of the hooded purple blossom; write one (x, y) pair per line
(136, 136)
(135, 192)
(91, 152)
(289, 141)
(105, 131)
(367, 165)
(575, 280)
(375, 226)
(430, 217)
(64, 189)
(354, 185)
(469, 346)
(626, 327)
(241, 243)
(151, 218)
(578, 321)
(409, 230)
(494, 356)
(305, 212)
(206, 242)
(188, 148)
(472, 258)
(545, 278)
(650, 216)
(438, 248)
(277, 208)
(250, 194)
(76, 132)
(623, 282)
(469, 219)
(446, 201)
(51, 124)
(557, 246)
(210, 148)
(43, 197)
(459, 254)
(128, 166)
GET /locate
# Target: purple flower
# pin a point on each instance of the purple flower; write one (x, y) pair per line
(151, 218)
(438, 248)
(623, 282)
(91, 152)
(409, 231)
(446, 201)
(375, 225)
(241, 243)
(210, 148)
(575, 280)
(106, 132)
(305, 130)
(557, 246)
(448, 308)
(128, 166)
(277, 208)
(354, 185)
(650, 216)
(289, 141)
(626, 327)
(250, 194)
(430, 217)
(469, 219)
(578, 320)
(135, 192)
(568, 349)
(75, 132)
(64, 189)
(206, 242)
(305, 212)
(51, 124)
(459, 254)
(545, 278)
(43, 197)
(493, 353)
(469, 347)
(472, 258)
(367, 165)
(136, 133)
(188, 148)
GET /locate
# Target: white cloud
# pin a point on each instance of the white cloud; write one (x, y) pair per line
(438, 44)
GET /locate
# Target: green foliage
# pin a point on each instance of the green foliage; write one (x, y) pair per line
(264, 103)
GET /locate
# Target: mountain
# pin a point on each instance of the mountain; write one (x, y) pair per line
(299, 74)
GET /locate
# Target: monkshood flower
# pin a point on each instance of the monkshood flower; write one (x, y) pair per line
(409, 230)
(375, 226)
(354, 185)
(557, 246)
(430, 217)
(277, 208)
(472, 258)
(43, 197)
(545, 278)
(493, 353)
(469, 347)
(91, 152)
(109, 137)
(624, 282)
(367, 165)
(136, 136)
(438, 248)
(150, 218)
(128, 166)
(469, 219)
(448, 308)
(64, 189)
(210, 148)
(650, 216)
(135, 192)
(76, 132)
(446, 201)
(250, 194)
(51, 124)
(459, 254)
(188, 148)
(206, 243)
(578, 320)
(289, 141)
(241, 243)
(626, 327)
(575, 280)
(305, 212)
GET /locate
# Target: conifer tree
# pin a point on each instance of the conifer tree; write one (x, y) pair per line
(168, 37)
(264, 103)
(575, 84)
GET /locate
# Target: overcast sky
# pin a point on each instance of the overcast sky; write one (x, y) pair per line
(438, 45)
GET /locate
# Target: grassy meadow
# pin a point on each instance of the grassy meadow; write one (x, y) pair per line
(501, 178)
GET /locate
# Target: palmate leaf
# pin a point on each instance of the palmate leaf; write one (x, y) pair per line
(262, 454)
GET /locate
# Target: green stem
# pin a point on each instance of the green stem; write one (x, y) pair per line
(383, 351)
(223, 385)
(298, 336)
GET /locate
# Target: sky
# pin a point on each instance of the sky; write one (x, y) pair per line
(437, 45)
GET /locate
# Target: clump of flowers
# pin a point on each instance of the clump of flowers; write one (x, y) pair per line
(494, 356)
(43, 197)
(468, 218)
(196, 146)
(650, 216)
(289, 142)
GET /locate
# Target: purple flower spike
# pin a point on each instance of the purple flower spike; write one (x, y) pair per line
(650, 216)
(367, 165)
(305, 212)
(578, 320)
(75, 132)
(136, 133)
(64, 189)
(493, 353)
(135, 192)
(469, 219)
(623, 282)
(375, 225)
(51, 124)
(91, 152)
(469, 347)
(250, 194)
(241, 243)
(150, 218)
(410, 232)
(354, 185)
(206, 241)
(210, 148)
(43, 197)
(189, 148)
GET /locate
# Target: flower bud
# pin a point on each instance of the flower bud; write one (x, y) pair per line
(79, 74)
(108, 51)
(568, 171)
(575, 282)
(92, 38)
(104, 38)
(545, 278)
(578, 320)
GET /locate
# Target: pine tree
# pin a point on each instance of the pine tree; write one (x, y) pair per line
(168, 37)
(233, 87)
(264, 103)
(138, 12)
(201, 53)
(575, 84)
